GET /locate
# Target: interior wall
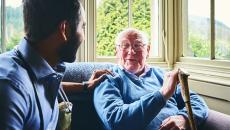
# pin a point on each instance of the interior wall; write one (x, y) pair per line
(216, 96)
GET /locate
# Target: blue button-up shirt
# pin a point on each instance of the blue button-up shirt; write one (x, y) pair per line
(19, 108)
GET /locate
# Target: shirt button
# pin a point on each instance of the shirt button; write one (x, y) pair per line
(58, 78)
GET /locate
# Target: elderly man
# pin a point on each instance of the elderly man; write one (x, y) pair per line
(138, 97)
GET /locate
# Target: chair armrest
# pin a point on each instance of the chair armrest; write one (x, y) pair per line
(217, 121)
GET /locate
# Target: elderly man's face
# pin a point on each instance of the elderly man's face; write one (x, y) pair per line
(132, 52)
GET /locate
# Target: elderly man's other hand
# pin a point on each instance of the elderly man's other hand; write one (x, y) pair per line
(97, 77)
(177, 122)
(169, 85)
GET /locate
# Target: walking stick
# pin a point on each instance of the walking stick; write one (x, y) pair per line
(183, 78)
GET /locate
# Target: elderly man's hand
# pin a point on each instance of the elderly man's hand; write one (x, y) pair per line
(97, 77)
(169, 85)
(174, 123)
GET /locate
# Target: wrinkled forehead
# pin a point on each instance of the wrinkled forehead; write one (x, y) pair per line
(135, 37)
(132, 36)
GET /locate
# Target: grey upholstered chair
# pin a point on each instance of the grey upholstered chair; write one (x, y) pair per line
(84, 115)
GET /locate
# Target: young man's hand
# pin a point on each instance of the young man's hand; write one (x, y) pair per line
(97, 77)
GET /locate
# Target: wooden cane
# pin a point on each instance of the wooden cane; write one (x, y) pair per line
(183, 78)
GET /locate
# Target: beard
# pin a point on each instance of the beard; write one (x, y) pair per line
(68, 51)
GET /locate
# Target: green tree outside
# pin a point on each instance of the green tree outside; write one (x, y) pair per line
(112, 17)
(13, 41)
(198, 45)
(14, 27)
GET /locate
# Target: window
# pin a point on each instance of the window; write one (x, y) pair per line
(207, 29)
(112, 16)
(222, 29)
(205, 41)
(12, 24)
(1, 27)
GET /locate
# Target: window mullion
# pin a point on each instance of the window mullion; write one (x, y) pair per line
(130, 13)
(185, 27)
(3, 27)
(212, 16)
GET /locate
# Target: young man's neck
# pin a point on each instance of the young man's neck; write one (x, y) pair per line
(48, 51)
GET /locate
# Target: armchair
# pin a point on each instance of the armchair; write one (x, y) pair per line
(84, 115)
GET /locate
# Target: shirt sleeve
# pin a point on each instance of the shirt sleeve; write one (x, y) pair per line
(13, 106)
(199, 107)
(115, 114)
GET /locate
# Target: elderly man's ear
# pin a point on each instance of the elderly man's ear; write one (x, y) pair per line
(148, 49)
(116, 51)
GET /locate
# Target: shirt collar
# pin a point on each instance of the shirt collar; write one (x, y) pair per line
(146, 69)
(39, 66)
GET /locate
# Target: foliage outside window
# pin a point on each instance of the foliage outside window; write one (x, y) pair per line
(199, 39)
(13, 24)
(113, 16)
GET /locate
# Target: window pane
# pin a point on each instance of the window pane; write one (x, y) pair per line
(14, 23)
(155, 29)
(112, 17)
(198, 29)
(141, 15)
(222, 27)
(142, 18)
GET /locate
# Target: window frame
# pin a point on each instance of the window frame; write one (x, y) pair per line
(87, 51)
(3, 44)
(184, 17)
(3, 27)
(203, 69)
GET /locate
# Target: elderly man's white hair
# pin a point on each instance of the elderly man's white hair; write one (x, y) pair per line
(131, 31)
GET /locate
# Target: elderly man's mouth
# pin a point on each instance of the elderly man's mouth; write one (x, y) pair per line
(132, 59)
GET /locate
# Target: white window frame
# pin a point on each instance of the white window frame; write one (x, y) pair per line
(87, 51)
(3, 27)
(207, 70)
(3, 30)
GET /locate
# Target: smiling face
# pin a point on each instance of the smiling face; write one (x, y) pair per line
(132, 50)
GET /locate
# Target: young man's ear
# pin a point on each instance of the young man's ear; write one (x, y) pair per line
(64, 30)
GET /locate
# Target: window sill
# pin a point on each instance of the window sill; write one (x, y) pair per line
(211, 71)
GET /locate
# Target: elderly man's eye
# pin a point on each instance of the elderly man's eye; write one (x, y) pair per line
(125, 46)
(137, 45)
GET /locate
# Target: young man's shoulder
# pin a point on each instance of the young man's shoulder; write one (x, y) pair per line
(11, 69)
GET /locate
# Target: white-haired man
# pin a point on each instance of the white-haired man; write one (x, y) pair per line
(137, 97)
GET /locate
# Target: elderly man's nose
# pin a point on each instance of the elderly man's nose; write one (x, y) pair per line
(131, 50)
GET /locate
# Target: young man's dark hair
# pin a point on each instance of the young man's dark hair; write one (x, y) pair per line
(42, 17)
(30, 74)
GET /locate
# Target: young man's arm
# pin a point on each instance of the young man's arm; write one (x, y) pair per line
(13, 106)
(97, 77)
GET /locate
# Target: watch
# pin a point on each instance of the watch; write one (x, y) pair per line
(85, 86)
